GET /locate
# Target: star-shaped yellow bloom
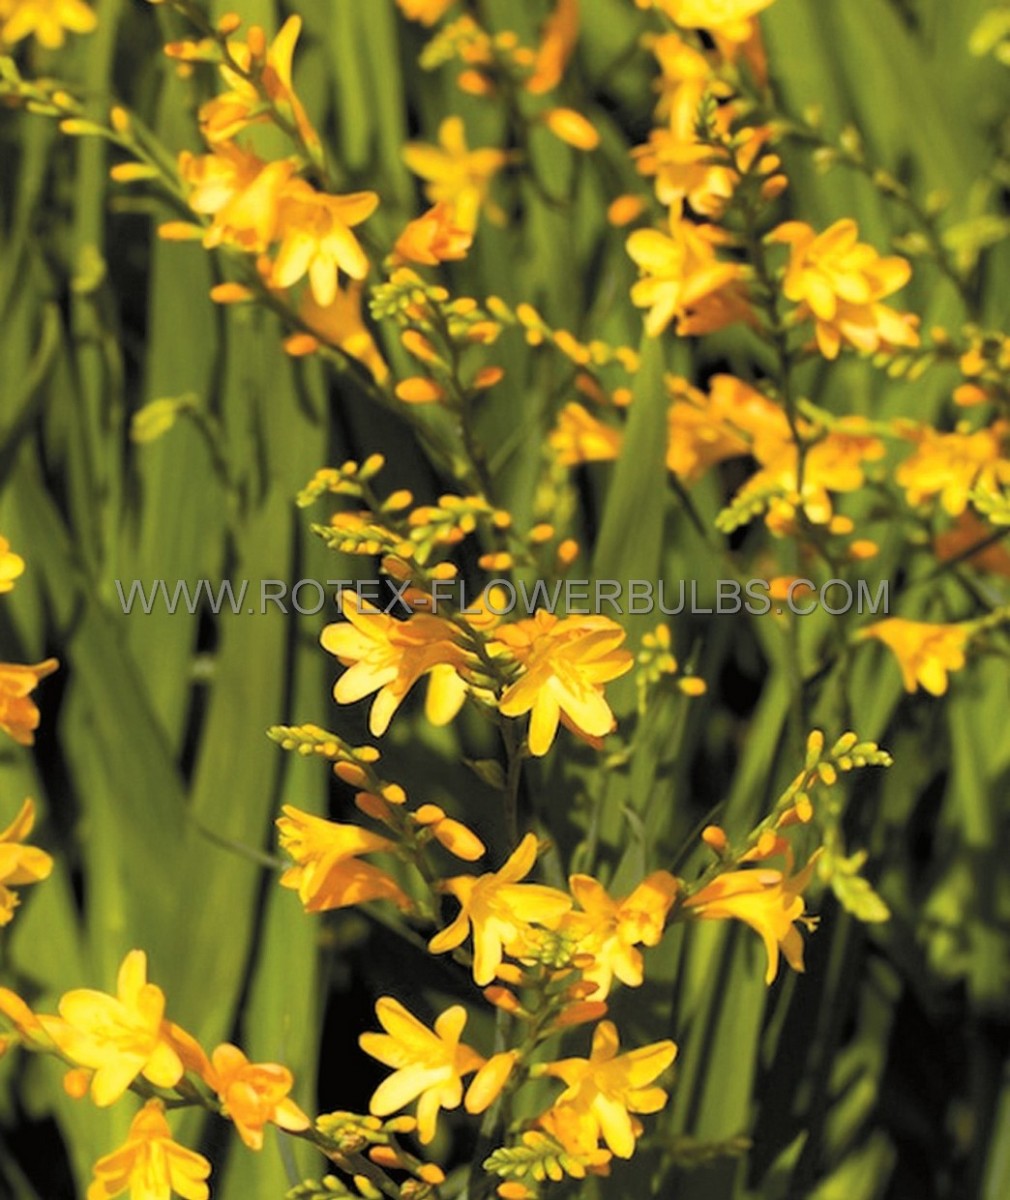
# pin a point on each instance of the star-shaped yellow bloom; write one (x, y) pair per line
(118, 1037)
(610, 929)
(316, 238)
(150, 1165)
(606, 1088)
(387, 656)
(254, 1094)
(19, 864)
(925, 652)
(429, 1063)
(499, 909)
(329, 873)
(565, 664)
(48, 20)
(455, 174)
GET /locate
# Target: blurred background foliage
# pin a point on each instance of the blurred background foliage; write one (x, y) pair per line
(882, 1071)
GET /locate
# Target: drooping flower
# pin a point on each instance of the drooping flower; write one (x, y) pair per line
(565, 664)
(339, 324)
(254, 1095)
(579, 437)
(925, 652)
(429, 1064)
(150, 1165)
(12, 566)
(314, 230)
(329, 872)
(610, 930)
(948, 466)
(605, 1089)
(226, 115)
(841, 282)
(499, 909)
(48, 20)
(386, 655)
(433, 238)
(682, 278)
(118, 1037)
(19, 715)
(19, 864)
(769, 901)
(455, 174)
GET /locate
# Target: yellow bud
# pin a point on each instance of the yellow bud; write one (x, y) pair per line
(572, 127)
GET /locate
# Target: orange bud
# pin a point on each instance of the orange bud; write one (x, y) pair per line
(715, 837)
(230, 293)
(372, 806)
(475, 83)
(502, 998)
(418, 390)
(624, 210)
(298, 345)
(180, 231)
(691, 685)
(580, 1013)
(572, 127)
(350, 773)
(488, 377)
(76, 1082)
(459, 840)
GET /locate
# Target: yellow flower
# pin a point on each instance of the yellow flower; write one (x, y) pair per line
(254, 1094)
(499, 910)
(578, 437)
(455, 174)
(425, 11)
(925, 652)
(840, 281)
(150, 1165)
(950, 465)
(12, 566)
(341, 324)
(386, 655)
(19, 864)
(610, 929)
(48, 20)
(118, 1037)
(19, 716)
(429, 1065)
(681, 275)
(231, 112)
(240, 191)
(766, 900)
(730, 19)
(329, 873)
(566, 663)
(316, 239)
(433, 238)
(605, 1089)
(558, 37)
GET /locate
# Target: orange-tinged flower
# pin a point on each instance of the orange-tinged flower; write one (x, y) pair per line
(19, 716)
(925, 652)
(950, 465)
(579, 437)
(118, 1037)
(681, 275)
(254, 1094)
(566, 663)
(610, 929)
(12, 566)
(425, 11)
(341, 324)
(605, 1089)
(240, 191)
(19, 864)
(150, 1165)
(387, 656)
(314, 230)
(328, 872)
(222, 118)
(455, 174)
(48, 20)
(499, 910)
(433, 238)
(429, 1064)
(770, 902)
(558, 37)
(840, 282)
